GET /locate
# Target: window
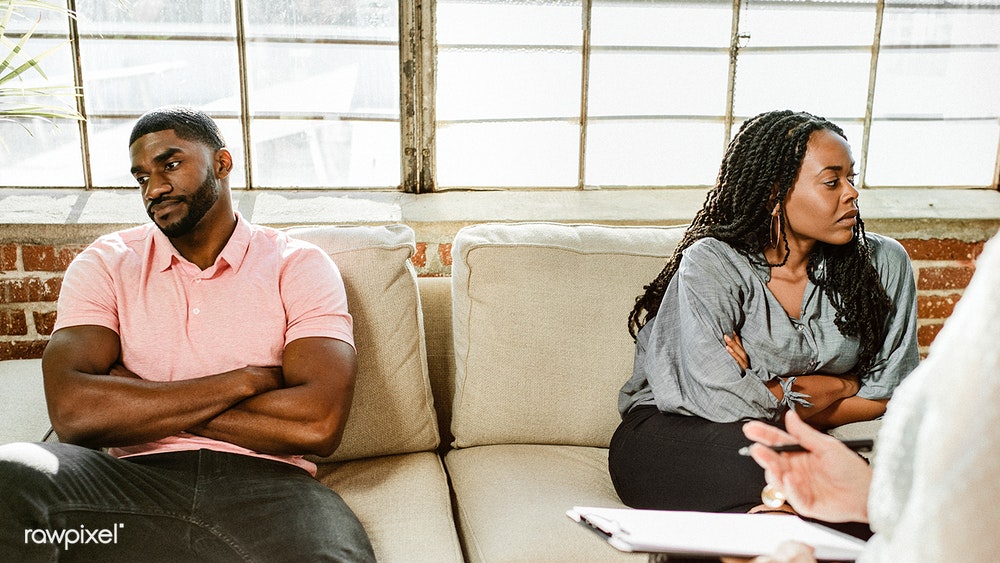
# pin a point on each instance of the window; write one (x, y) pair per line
(577, 94)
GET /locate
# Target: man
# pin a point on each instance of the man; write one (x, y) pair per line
(208, 355)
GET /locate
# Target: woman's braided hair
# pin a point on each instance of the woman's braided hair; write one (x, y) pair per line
(760, 166)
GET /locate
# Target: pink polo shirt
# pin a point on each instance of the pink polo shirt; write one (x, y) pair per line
(178, 322)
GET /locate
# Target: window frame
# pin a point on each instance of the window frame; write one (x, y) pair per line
(417, 63)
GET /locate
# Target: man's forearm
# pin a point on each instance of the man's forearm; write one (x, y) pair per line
(307, 415)
(282, 422)
(105, 410)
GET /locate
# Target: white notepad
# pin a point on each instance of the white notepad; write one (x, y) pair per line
(706, 533)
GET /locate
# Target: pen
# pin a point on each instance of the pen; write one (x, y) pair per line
(855, 445)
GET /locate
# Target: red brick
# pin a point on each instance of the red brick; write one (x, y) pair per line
(43, 258)
(8, 257)
(945, 277)
(942, 249)
(29, 290)
(936, 306)
(420, 258)
(13, 323)
(22, 349)
(44, 322)
(927, 333)
(444, 251)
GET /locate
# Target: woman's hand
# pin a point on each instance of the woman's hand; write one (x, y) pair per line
(735, 348)
(827, 481)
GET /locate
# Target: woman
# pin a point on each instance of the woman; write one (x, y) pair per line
(776, 298)
(934, 493)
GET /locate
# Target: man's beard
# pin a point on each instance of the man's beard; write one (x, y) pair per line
(198, 205)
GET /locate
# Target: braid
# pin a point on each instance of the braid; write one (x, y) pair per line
(760, 166)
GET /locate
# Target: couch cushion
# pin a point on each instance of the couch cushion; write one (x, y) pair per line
(511, 502)
(541, 341)
(435, 299)
(403, 503)
(392, 411)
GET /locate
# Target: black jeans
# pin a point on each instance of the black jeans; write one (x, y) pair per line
(675, 462)
(67, 503)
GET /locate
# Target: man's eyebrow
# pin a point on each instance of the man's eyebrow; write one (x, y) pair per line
(163, 156)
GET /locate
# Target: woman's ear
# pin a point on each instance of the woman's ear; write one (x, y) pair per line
(223, 163)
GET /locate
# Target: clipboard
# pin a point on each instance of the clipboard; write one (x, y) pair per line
(712, 534)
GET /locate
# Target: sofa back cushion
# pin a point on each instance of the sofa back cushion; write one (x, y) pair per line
(541, 341)
(393, 410)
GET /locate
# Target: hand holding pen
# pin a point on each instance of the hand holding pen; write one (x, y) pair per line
(822, 478)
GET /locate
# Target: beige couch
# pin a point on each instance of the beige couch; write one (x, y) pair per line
(485, 401)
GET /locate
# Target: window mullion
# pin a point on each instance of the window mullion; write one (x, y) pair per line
(872, 73)
(241, 52)
(81, 106)
(588, 6)
(996, 170)
(427, 71)
(734, 49)
(416, 93)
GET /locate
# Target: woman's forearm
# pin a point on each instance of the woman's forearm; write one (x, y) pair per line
(845, 411)
(822, 391)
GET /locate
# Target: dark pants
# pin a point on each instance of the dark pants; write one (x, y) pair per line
(675, 462)
(74, 504)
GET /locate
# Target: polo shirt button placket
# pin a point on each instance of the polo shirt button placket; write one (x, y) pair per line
(196, 310)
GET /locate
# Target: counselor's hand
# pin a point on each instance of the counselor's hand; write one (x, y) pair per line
(828, 481)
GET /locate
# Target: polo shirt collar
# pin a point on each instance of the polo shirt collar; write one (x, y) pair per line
(233, 254)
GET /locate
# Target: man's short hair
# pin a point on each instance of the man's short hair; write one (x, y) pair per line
(187, 122)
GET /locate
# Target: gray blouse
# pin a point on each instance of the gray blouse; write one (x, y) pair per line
(681, 362)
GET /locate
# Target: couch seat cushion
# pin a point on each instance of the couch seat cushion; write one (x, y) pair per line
(512, 501)
(403, 502)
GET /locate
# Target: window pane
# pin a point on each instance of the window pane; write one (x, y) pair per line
(653, 153)
(110, 164)
(134, 76)
(190, 17)
(509, 22)
(476, 84)
(654, 23)
(324, 93)
(643, 83)
(805, 56)
(39, 153)
(796, 23)
(36, 152)
(325, 153)
(316, 19)
(823, 83)
(936, 106)
(934, 153)
(508, 87)
(520, 154)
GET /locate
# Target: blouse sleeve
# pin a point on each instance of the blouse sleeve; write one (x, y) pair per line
(685, 360)
(899, 354)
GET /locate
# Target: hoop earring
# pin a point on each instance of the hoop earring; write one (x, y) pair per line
(775, 231)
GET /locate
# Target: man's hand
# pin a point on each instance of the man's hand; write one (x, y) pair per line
(306, 415)
(828, 481)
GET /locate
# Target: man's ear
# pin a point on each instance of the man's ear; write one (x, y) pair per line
(223, 163)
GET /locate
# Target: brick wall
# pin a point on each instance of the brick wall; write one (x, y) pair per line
(31, 276)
